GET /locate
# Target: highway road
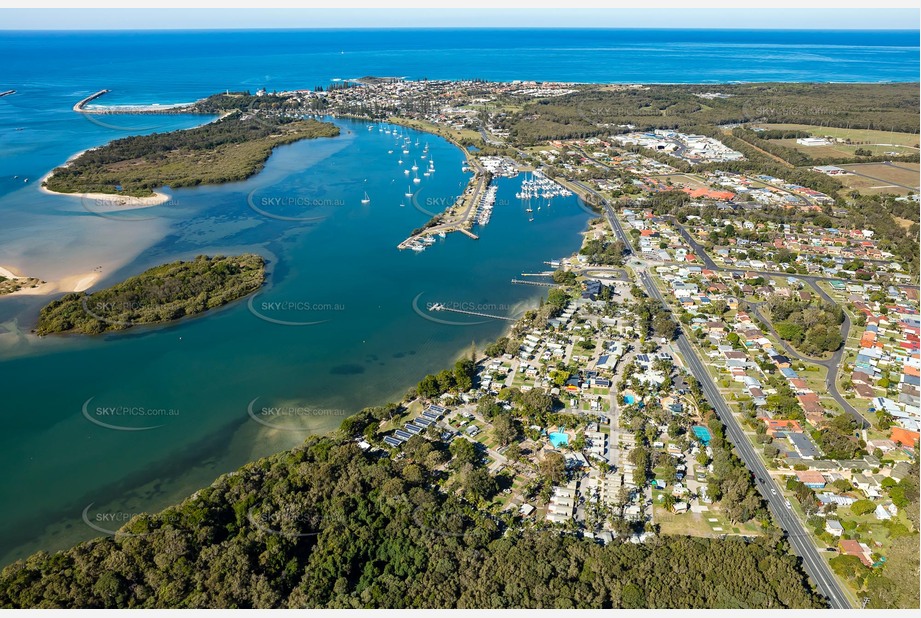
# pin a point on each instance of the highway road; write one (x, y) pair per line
(608, 213)
(802, 543)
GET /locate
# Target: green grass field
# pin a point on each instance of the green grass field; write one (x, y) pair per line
(858, 136)
(882, 178)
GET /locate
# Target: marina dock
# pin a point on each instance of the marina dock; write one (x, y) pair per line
(419, 241)
(540, 283)
(473, 206)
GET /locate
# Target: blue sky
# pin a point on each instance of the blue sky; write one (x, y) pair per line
(68, 19)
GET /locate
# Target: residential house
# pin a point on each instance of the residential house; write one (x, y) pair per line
(834, 527)
(850, 547)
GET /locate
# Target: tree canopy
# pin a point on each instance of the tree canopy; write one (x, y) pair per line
(327, 525)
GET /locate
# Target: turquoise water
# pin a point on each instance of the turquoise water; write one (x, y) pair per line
(629, 399)
(215, 375)
(558, 439)
(370, 346)
(702, 433)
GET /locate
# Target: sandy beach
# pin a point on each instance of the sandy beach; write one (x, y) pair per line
(125, 202)
(8, 273)
(78, 252)
(106, 200)
(71, 283)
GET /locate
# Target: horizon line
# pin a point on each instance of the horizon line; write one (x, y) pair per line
(386, 28)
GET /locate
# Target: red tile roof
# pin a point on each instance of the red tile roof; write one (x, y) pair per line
(904, 436)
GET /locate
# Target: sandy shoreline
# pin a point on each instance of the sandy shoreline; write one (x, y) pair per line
(105, 199)
(71, 283)
(109, 199)
(9, 274)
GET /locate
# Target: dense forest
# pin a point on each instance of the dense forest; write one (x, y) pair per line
(227, 150)
(599, 110)
(160, 294)
(327, 525)
(223, 102)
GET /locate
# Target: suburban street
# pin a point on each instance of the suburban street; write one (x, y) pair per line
(802, 543)
(832, 364)
(815, 565)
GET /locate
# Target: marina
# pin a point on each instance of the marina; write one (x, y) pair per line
(362, 363)
(538, 186)
(485, 206)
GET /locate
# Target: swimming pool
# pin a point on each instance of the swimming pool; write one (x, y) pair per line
(558, 439)
(702, 433)
(629, 399)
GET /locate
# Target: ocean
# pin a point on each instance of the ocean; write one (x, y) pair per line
(342, 322)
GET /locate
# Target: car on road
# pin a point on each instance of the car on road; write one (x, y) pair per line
(773, 491)
(789, 506)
